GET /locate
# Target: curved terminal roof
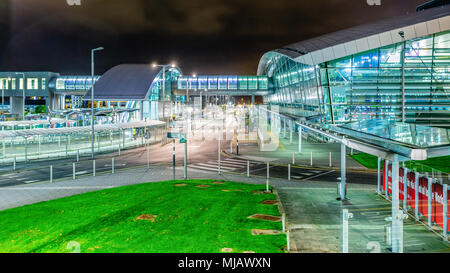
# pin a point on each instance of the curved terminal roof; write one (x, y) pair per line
(366, 37)
(125, 82)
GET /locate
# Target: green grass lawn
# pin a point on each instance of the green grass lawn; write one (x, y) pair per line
(189, 219)
(439, 163)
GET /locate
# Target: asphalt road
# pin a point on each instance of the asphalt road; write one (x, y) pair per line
(202, 156)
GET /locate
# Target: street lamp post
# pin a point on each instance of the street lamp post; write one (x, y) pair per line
(92, 99)
(402, 35)
(23, 92)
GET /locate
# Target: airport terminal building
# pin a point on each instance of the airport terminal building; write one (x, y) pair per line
(396, 69)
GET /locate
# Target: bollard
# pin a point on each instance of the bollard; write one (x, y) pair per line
(51, 173)
(14, 164)
(119, 148)
(231, 147)
(289, 172)
(112, 165)
(218, 157)
(386, 171)
(388, 234)
(267, 179)
(405, 190)
(429, 194)
(283, 221)
(416, 195)
(148, 156)
(311, 159)
(293, 158)
(248, 168)
(93, 167)
(288, 241)
(331, 164)
(78, 155)
(345, 217)
(445, 211)
(73, 171)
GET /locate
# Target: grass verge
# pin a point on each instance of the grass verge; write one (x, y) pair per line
(188, 219)
(439, 163)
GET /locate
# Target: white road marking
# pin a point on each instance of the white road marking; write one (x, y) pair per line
(30, 181)
(315, 176)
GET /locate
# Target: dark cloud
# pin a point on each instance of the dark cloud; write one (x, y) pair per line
(205, 36)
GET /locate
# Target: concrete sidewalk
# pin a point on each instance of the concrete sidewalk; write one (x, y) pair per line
(315, 221)
(284, 153)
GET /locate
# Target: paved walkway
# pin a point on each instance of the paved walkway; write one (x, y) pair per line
(320, 153)
(315, 221)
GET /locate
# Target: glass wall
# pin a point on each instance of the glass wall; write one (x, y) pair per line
(224, 82)
(74, 83)
(369, 85)
(156, 90)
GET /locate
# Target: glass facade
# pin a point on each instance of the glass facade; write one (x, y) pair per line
(369, 85)
(224, 82)
(75, 83)
(156, 90)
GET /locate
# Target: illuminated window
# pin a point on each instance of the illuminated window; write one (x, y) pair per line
(4, 84)
(212, 82)
(32, 84)
(182, 83)
(223, 82)
(21, 83)
(232, 82)
(263, 83)
(44, 85)
(202, 82)
(60, 84)
(242, 83)
(13, 84)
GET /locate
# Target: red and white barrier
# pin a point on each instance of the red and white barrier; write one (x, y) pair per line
(439, 200)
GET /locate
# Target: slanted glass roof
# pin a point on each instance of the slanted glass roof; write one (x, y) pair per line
(408, 134)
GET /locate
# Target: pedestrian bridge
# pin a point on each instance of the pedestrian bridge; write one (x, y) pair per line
(227, 85)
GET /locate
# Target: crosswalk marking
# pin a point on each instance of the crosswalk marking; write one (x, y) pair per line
(227, 164)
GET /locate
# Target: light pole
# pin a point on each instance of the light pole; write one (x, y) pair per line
(402, 34)
(92, 99)
(23, 92)
(164, 84)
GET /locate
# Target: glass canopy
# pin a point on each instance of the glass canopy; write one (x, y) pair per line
(408, 134)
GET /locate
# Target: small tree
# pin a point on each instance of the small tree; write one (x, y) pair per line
(41, 109)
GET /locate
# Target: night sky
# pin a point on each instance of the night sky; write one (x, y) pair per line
(202, 36)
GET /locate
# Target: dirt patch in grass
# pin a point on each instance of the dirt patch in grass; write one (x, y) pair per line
(226, 190)
(262, 192)
(265, 232)
(227, 249)
(248, 252)
(180, 185)
(269, 202)
(218, 182)
(238, 190)
(265, 217)
(202, 186)
(148, 217)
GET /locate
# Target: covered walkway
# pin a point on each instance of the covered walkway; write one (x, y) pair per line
(43, 143)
